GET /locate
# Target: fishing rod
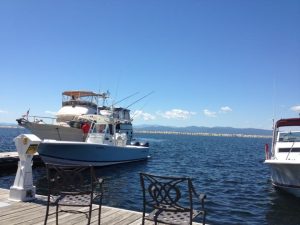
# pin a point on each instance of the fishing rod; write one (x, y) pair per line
(125, 98)
(140, 99)
(136, 112)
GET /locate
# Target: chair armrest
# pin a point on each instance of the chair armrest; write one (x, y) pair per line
(200, 196)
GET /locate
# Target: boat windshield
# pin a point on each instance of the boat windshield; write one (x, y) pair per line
(289, 136)
(91, 101)
(99, 128)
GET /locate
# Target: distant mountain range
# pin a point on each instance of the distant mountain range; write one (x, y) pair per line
(195, 129)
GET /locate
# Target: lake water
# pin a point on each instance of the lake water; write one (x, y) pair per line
(229, 170)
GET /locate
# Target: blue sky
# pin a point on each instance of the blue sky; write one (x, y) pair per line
(209, 62)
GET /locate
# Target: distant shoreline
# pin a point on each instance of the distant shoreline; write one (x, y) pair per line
(11, 126)
(177, 133)
(202, 134)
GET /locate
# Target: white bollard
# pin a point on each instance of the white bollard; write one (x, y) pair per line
(23, 189)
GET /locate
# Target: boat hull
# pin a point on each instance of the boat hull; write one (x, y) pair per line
(81, 153)
(55, 132)
(285, 175)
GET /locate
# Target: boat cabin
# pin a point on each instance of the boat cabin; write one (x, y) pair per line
(75, 103)
(85, 98)
(286, 142)
(106, 133)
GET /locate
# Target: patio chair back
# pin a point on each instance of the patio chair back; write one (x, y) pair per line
(169, 199)
(74, 186)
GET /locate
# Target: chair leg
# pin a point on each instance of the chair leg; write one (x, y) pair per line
(56, 214)
(143, 219)
(90, 214)
(99, 214)
(47, 212)
(203, 222)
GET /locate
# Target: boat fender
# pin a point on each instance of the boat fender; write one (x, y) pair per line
(267, 151)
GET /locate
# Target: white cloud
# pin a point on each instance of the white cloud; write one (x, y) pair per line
(50, 112)
(177, 114)
(3, 111)
(225, 109)
(209, 113)
(296, 108)
(139, 114)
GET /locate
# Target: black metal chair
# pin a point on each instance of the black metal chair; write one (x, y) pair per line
(73, 186)
(170, 200)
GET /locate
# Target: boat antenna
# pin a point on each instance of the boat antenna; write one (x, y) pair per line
(140, 99)
(104, 96)
(274, 97)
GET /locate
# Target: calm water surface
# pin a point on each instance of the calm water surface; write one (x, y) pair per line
(229, 170)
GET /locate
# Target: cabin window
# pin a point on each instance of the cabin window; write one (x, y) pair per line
(101, 128)
(289, 137)
(118, 127)
(98, 128)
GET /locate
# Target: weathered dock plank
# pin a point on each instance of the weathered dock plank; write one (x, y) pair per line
(33, 213)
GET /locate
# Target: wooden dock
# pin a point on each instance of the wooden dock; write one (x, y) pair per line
(33, 213)
(10, 159)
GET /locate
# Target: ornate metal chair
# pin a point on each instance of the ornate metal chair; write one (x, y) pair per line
(73, 186)
(170, 200)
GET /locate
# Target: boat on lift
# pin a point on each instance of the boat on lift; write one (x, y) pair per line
(284, 158)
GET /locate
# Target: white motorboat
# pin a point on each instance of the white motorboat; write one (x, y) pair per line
(284, 158)
(104, 145)
(67, 124)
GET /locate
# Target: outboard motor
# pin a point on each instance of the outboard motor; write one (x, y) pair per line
(135, 143)
(144, 144)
